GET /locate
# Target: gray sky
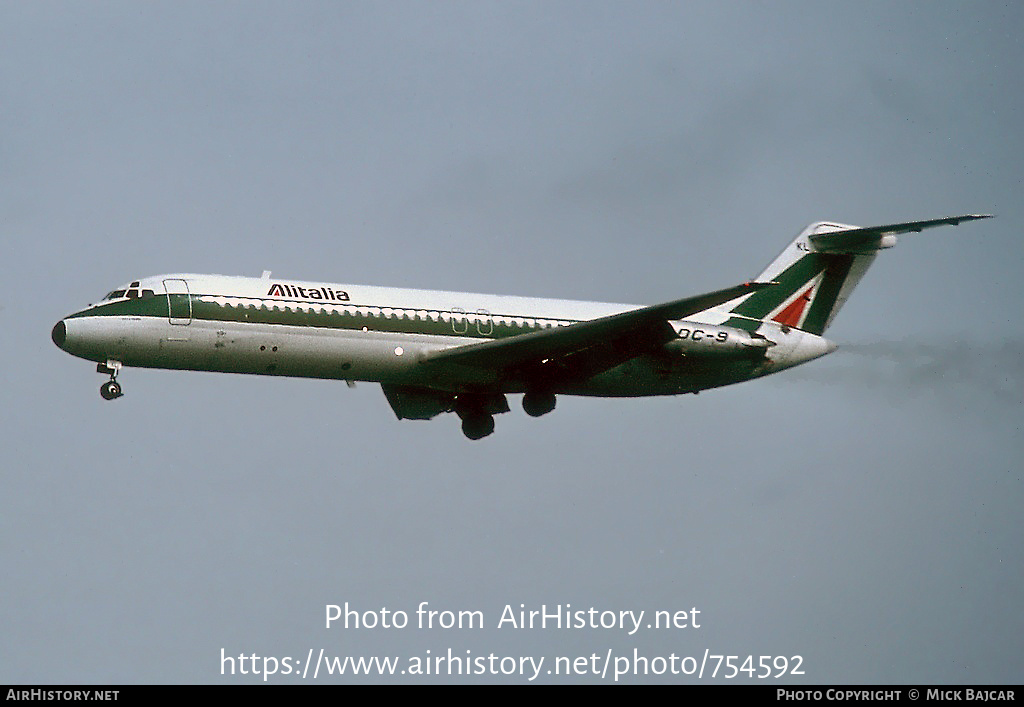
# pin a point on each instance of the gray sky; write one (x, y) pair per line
(861, 511)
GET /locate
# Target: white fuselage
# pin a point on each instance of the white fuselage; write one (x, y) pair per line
(354, 332)
(435, 352)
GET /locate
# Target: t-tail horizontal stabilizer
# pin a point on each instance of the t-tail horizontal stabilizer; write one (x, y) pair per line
(818, 270)
(854, 240)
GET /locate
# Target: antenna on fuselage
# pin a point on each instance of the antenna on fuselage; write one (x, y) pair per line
(265, 275)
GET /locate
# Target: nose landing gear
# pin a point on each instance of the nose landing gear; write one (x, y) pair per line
(111, 389)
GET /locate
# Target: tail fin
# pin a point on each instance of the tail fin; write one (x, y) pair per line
(818, 271)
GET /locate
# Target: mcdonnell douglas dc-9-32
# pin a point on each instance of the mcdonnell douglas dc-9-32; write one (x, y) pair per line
(435, 352)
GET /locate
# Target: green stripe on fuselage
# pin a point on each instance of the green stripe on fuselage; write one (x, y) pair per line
(139, 307)
(309, 314)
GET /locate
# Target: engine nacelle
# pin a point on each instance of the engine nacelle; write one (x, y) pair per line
(717, 341)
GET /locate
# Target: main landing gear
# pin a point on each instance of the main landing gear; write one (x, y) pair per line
(111, 389)
(537, 403)
(477, 412)
(478, 425)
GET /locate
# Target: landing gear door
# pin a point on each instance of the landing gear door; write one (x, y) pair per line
(179, 304)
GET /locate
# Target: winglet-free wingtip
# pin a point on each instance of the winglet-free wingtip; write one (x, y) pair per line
(957, 220)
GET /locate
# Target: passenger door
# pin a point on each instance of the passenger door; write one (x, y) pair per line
(179, 303)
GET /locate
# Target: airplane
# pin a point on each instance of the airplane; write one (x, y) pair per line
(434, 352)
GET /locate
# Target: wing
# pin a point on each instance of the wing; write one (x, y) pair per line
(852, 239)
(587, 347)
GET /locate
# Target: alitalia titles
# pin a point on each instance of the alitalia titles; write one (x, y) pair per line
(322, 293)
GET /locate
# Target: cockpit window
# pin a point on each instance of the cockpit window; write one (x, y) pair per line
(134, 291)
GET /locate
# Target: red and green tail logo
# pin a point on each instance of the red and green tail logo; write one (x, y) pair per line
(807, 294)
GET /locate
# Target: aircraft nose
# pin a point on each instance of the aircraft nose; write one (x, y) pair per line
(59, 334)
